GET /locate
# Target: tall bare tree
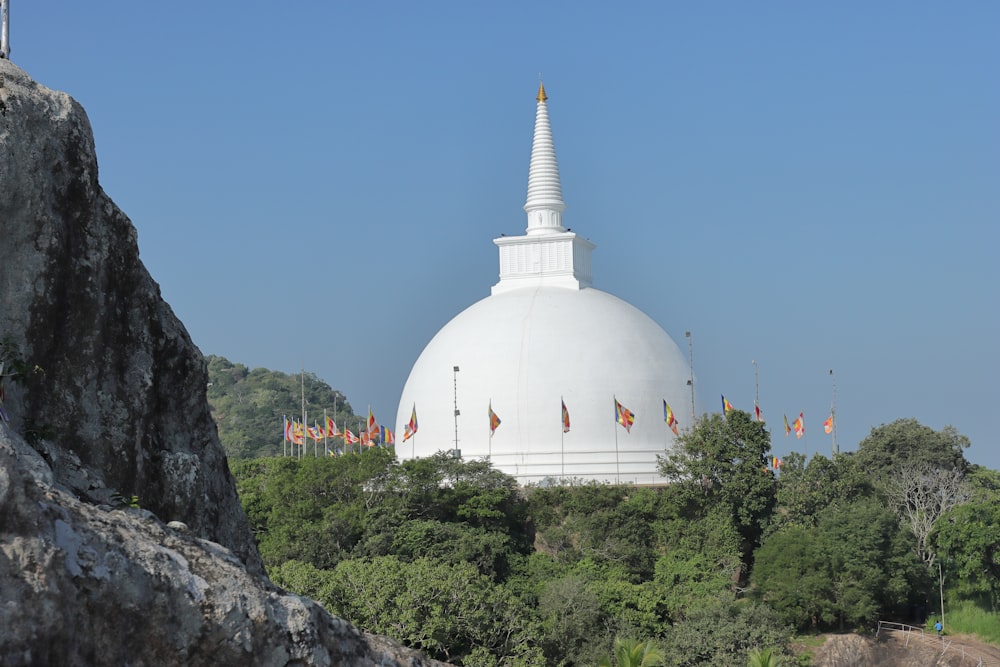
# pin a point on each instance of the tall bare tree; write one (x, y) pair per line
(921, 494)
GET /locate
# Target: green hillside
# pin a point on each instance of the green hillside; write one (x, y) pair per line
(248, 405)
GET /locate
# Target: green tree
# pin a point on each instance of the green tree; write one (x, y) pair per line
(968, 539)
(310, 509)
(451, 612)
(720, 632)
(634, 653)
(808, 486)
(724, 459)
(572, 621)
(910, 443)
(701, 556)
(850, 568)
(763, 657)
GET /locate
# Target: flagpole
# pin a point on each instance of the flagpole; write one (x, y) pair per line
(302, 386)
(833, 413)
(756, 387)
(284, 434)
(489, 425)
(687, 334)
(618, 472)
(562, 439)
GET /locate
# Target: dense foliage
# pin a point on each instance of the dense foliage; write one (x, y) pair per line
(248, 406)
(455, 559)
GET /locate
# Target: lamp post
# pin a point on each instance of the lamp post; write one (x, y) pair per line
(690, 382)
(454, 375)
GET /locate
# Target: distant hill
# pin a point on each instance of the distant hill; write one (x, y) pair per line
(248, 405)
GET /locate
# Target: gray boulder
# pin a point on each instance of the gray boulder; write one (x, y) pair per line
(111, 404)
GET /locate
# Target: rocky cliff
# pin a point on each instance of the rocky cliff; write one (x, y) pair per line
(109, 403)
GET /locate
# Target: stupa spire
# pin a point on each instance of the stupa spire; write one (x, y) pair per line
(545, 203)
(548, 255)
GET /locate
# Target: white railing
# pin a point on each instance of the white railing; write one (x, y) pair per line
(917, 634)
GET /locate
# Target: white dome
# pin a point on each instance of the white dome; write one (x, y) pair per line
(521, 351)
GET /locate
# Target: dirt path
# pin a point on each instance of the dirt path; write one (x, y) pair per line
(897, 648)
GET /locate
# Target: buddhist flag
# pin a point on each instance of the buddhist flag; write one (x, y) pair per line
(331, 428)
(387, 436)
(289, 435)
(410, 429)
(800, 426)
(372, 424)
(624, 416)
(828, 424)
(565, 418)
(298, 433)
(494, 420)
(349, 437)
(726, 405)
(316, 433)
(757, 413)
(668, 416)
(776, 463)
(788, 429)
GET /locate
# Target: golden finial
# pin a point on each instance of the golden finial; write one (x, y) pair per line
(541, 92)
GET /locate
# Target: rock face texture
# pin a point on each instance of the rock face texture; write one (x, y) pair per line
(86, 585)
(117, 409)
(121, 402)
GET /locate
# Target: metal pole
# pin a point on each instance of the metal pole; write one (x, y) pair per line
(302, 385)
(687, 334)
(833, 414)
(5, 29)
(941, 591)
(756, 389)
(454, 375)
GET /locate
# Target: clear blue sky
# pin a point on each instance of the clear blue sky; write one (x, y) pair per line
(813, 186)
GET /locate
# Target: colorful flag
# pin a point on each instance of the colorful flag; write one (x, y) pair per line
(776, 463)
(331, 428)
(800, 426)
(288, 429)
(315, 432)
(372, 424)
(367, 440)
(828, 424)
(726, 405)
(668, 416)
(494, 420)
(387, 436)
(298, 433)
(410, 430)
(757, 413)
(788, 429)
(349, 437)
(565, 418)
(624, 416)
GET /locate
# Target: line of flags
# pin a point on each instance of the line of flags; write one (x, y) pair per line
(798, 425)
(623, 417)
(375, 434)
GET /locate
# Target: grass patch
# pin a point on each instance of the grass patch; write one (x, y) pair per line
(967, 617)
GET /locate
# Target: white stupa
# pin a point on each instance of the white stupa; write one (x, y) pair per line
(545, 337)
